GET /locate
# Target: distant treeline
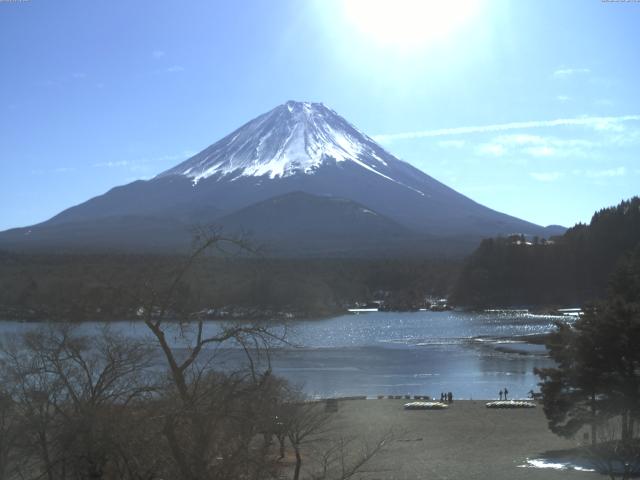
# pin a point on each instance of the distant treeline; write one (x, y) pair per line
(82, 287)
(567, 270)
(513, 271)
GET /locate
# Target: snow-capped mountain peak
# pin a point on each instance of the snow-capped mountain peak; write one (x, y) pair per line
(299, 177)
(293, 138)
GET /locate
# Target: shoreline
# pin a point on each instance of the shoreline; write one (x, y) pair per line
(241, 313)
(466, 440)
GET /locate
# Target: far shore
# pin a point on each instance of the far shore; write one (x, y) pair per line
(229, 313)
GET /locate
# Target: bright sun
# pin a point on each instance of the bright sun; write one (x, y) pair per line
(409, 24)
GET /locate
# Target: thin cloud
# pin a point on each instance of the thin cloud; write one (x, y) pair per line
(603, 102)
(597, 123)
(144, 164)
(175, 69)
(569, 72)
(535, 146)
(495, 149)
(563, 98)
(157, 54)
(42, 171)
(119, 163)
(611, 172)
(541, 151)
(545, 176)
(133, 179)
(451, 143)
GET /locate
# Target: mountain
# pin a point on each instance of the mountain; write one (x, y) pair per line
(296, 147)
(301, 223)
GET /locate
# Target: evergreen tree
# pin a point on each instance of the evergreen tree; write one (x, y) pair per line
(596, 380)
(569, 270)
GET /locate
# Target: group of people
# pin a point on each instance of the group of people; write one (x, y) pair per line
(446, 397)
(503, 394)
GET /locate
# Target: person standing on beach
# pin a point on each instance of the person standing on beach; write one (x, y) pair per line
(505, 392)
(450, 397)
(500, 394)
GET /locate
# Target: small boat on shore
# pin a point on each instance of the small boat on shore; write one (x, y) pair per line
(425, 406)
(511, 404)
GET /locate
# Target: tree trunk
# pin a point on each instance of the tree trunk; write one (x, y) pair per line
(593, 420)
(45, 455)
(296, 474)
(625, 434)
(176, 450)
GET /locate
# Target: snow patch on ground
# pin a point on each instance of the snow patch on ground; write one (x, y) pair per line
(543, 463)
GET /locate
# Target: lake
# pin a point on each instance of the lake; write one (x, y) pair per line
(471, 354)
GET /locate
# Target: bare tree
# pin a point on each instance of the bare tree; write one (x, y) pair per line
(210, 417)
(304, 424)
(70, 393)
(346, 457)
(311, 431)
(81, 407)
(9, 434)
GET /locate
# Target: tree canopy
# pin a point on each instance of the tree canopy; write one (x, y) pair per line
(566, 270)
(596, 380)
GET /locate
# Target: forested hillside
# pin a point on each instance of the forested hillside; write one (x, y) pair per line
(567, 270)
(511, 271)
(82, 287)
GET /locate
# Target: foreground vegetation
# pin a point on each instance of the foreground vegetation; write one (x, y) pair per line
(74, 407)
(165, 406)
(595, 384)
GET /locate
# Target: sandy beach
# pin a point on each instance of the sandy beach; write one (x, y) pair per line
(466, 441)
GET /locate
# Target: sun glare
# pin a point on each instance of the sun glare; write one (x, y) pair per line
(409, 24)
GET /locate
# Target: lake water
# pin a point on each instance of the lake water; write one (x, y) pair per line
(473, 355)
(420, 353)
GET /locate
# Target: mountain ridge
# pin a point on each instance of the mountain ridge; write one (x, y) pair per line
(295, 147)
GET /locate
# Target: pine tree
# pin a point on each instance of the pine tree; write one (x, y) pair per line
(596, 380)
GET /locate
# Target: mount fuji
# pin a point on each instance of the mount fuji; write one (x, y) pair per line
(300, 179)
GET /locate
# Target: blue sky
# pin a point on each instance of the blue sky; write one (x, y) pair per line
(530, 107)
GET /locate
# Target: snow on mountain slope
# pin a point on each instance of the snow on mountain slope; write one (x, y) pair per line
(294, 138)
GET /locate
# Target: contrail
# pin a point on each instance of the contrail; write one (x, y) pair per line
(600, 123)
